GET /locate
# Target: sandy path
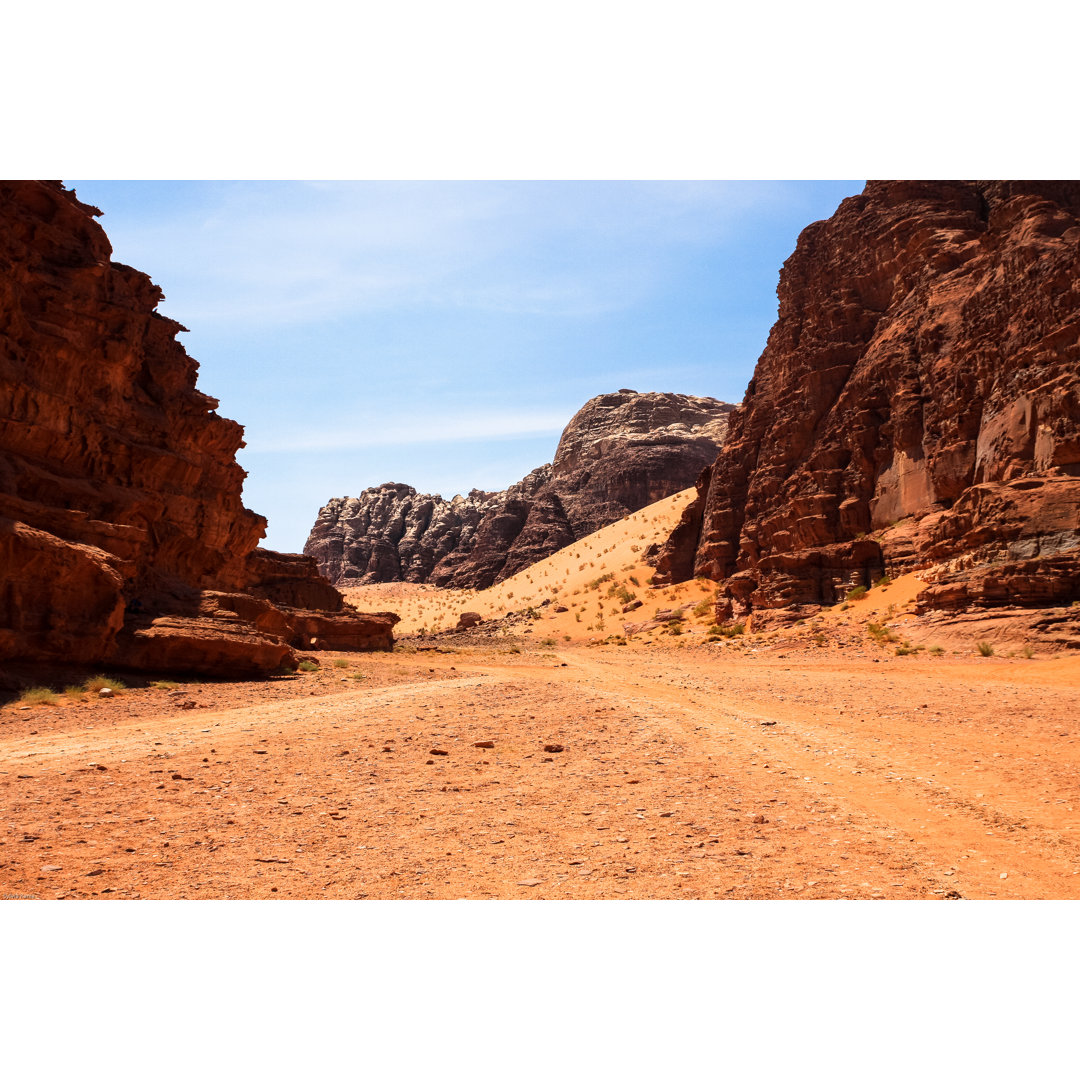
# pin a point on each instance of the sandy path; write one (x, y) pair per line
(899, 779)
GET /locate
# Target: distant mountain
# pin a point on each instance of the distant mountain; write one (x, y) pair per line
(619, 453)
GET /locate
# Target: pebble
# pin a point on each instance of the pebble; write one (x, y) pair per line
(760, 819)
(46, 868)
(1003, 876)
(530, 882)
(105, 691)
(439, 753)
(484, 744)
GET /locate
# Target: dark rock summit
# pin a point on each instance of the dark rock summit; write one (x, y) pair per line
(619, 453)
(917, 407)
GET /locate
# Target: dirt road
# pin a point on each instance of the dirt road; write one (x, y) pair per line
(683, 772)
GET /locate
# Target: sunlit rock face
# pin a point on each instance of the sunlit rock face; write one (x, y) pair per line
(120, 494)
(917, 406)
(619, 453)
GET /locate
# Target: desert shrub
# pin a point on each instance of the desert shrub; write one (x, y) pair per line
(547, 641)
(597, 582)
(857, 593)
(358, 677)
(883, 581)
(675, 628)
(936, 650)
(308, 665)
(577, 616)
(74, 692)
(38, 695)
(514, 649)
(734, 629)
(881, 634)
(566, 637)
(341, 663)
(702, 607)
(101, 682)
(159, 684)
(905, 650)
(634, 581)
(1028, 652)
(714, 631)
(819, 639)
(985, 648)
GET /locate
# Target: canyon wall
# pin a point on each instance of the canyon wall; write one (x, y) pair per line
(917, 406)
(619, 453)
(123, 537)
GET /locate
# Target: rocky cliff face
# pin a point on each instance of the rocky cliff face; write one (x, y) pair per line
(619, 453)
(917, 406)
(123, 538)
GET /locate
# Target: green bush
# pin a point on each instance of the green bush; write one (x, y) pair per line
(1028, 652)
(341, 663)
(308, 665)
(936, 650)
(74, 692)
(165, 684)
(857, 593)
(985, 648)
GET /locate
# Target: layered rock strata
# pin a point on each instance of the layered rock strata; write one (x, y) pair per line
(123, 538)
(917, 406)
(619, 453)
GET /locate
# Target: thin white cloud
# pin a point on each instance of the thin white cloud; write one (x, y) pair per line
(289, 254)
(409, 429)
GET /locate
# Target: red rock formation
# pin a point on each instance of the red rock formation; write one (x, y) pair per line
(619, 453)
(917, 406)
(120, 495)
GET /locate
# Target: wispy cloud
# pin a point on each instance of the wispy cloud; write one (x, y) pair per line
(409, 429)
(289, 253)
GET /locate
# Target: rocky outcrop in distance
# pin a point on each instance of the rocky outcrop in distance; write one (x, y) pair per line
(917, 407)
(619, 453)
(123, 538)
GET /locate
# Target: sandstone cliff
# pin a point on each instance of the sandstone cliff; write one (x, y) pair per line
(123, 538)
(917, 406)
(619, 453)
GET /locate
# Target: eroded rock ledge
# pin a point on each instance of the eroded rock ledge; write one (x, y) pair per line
(917, 406)
(123, 538)
(619, 453)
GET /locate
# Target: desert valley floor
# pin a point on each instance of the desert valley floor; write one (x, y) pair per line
(685, 771)
(857, 754)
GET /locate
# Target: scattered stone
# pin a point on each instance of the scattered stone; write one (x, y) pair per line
(468, 619)
(553, 748)
(1003, 876)
(439, 753)
(530, 882)
(48, 869)
(484, 744)
(760, 819)
(105, 691)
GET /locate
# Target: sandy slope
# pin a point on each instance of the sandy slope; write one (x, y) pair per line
(615, 554)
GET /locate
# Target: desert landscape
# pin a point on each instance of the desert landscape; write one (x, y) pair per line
(633, 674)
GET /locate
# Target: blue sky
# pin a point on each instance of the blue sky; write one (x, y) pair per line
(442, 333)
